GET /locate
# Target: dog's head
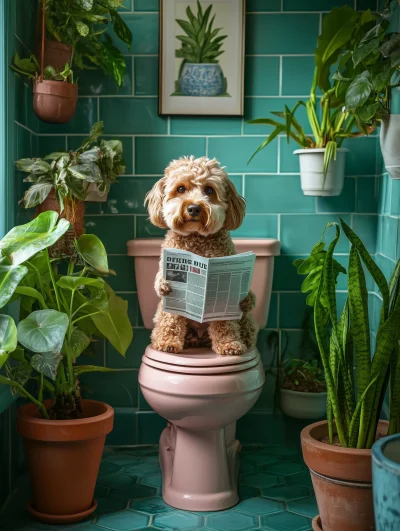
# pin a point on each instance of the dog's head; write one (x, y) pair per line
(195, 196)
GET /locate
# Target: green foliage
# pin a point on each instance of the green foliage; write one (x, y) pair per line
(82, 24)
(344, 343)
(201, 44)
(30, 68)
(60, 314)
(70, 173)
(365, 57)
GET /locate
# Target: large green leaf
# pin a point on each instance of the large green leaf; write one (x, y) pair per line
(36, 194)
(359, 91)
(120, 28)
(78, 342)
(10, 277)
(93, 252)
(47, 363)
(8, 337)
(74, 283)
(43, 331)
(113, 61)
(24, 241)
(114, 322)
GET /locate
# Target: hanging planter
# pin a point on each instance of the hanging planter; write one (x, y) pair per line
(54, 101)
(313, 180)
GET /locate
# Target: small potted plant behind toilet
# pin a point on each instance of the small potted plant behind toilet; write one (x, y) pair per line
(338, 450)
(63, 434)
(345, 35)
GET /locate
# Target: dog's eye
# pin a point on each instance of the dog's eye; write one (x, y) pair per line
(208, 190)
(180, 189)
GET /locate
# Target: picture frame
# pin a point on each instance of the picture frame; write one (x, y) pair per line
(201, 57)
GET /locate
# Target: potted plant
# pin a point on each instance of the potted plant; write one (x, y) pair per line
(81, 27)
(370, 75)
(62, 181)
(54, 93)
(200, 73)
(338, 450)
(322, 157)
(63, 434)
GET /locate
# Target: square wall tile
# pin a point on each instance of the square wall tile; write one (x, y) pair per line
(235, 152)
(120, 389)
(395, 198)
(113, 231)
(273, 312)
(146, 76)
(384, 194)
(286, 277)
(299, 233)
(289, 163)
(85, 116)
(194, 125)
(124, 280)
(150, 426)
(144, 28)
(361, 158)
(367, 196)
(267, 34)
(366, 228)
(297, 75)
(97, 83)
(312, 5)
(258, 226)
(152, 155)
(269, 193)
(133, 356)
(291, 309)
(389, 237)
(132, 116)
(145, 5)
(50, 144)
(145, 229)
(261, 77)
(124, 430)
(263, 5)
(345, 202)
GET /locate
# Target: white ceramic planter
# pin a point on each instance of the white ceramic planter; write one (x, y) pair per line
(303, 405)
(313, 180)
(94, 196)
(390, 141)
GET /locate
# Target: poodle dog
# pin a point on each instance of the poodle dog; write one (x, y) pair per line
(197, 202)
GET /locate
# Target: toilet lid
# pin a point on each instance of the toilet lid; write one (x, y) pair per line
(200, 361)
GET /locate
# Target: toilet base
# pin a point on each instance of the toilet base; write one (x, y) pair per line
(199, 470)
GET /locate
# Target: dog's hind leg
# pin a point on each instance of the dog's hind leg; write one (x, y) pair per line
(169, 332)
(225, 337)
(248, 330)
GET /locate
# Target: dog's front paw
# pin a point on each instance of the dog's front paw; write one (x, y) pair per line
(172, 347)
(163, 288)
(232, 348)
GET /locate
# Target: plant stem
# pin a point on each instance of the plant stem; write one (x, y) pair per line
(40, 396)
(24, 392)
(53, 280)
(85, 316)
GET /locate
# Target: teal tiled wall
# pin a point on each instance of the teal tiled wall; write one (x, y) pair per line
(278, 68)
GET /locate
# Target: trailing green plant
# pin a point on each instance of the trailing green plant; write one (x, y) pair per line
(354, 399)
(60, 314)
(342, 30)
(304, 376)
(70, 174)
(202, 43)
(83, 24)
(30, 68)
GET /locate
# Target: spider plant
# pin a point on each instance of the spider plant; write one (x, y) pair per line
(354, 398)
(201, 44)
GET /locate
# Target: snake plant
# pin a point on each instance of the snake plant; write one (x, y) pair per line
(201, 44)
(355, 397)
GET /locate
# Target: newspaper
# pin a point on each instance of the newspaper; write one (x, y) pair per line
(206, 289)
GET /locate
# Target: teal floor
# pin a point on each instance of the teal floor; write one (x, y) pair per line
(275, 495)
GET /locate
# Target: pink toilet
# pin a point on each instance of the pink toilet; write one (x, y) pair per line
(200, 393)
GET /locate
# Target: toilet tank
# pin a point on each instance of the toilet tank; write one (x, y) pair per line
(147, 255)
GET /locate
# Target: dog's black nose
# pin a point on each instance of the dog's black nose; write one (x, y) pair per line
(194, 210)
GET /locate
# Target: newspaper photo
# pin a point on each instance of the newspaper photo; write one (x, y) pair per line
(206, 289)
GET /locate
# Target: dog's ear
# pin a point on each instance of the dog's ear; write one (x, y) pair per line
(154, 201)
(236, 208)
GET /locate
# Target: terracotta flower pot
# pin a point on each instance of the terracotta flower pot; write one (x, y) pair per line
(63, 458)
(54, 101)
(342, 480)
(74, 212)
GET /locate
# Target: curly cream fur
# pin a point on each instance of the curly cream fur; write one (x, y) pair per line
(206, 235)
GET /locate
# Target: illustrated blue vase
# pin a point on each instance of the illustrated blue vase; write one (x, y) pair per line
(386, 483)
(201, 79)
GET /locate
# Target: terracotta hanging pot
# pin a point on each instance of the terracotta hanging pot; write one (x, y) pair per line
(63, 458)
(74, 212)
(342, 481)
(54, 101)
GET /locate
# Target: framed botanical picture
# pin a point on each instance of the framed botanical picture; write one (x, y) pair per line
(201, 57)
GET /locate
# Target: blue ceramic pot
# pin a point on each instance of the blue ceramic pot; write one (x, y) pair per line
(386, 483)
(201, 79)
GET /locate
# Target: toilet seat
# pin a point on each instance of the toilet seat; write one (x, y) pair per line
(200, 361)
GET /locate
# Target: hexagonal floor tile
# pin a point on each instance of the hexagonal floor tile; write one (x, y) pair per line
(259, 459)
(284, 468)
(178, 521)
(286, 493)
(152, 481)
(123, 458)
(305, 507)
(110, 505)
(115, 480)
(108, 467)
(303, 479)
(231, 521)
(123, 521)
(285, 522)
(143, 469)
(154, 505)
(134, 491)
(260, 480)
(259, 506)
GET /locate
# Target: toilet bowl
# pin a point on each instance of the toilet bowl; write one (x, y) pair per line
(201, 394)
